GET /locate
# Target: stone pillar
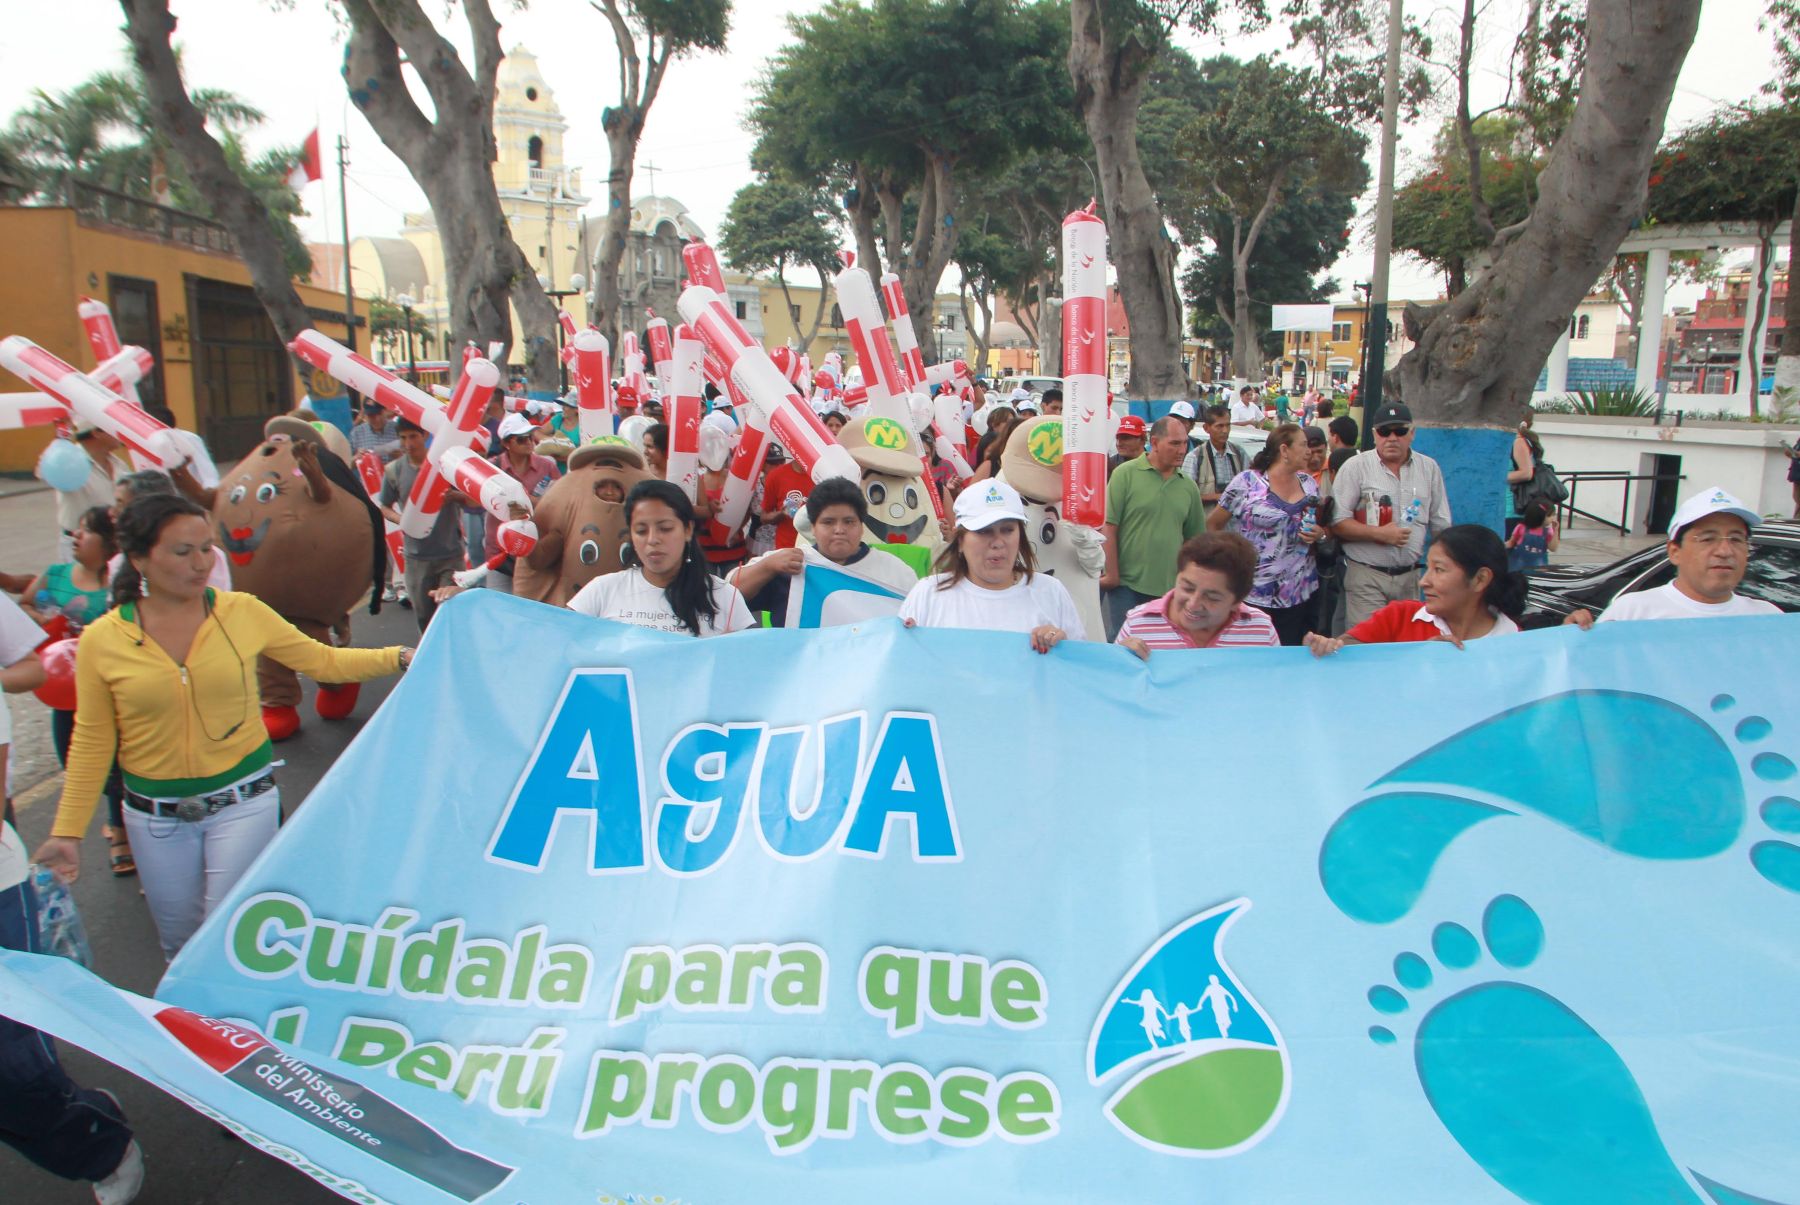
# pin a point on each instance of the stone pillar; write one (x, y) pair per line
(1650, 317)
(1556, 372)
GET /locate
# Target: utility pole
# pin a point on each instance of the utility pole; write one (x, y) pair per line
(343, 150)
(1375, 329)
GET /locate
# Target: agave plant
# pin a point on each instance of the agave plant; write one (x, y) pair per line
(1622, 402)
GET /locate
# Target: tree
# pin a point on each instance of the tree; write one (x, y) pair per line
(1784, 17)
(772, 225)
(942, 89)
(1302, 238)
(451, 157)
(1739, 165)
(1475, 358)
(1266, 136)
(1434, 215)
(649, 35)
(179, 121)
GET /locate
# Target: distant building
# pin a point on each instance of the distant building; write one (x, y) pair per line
(177, 289)
(1708, 354)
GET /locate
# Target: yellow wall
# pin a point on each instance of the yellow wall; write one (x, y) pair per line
(53, 261)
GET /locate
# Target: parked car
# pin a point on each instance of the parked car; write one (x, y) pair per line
(1556, 590)
(1033, 385)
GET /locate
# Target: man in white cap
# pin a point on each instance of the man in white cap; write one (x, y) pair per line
(518, 439)
(1709, 545)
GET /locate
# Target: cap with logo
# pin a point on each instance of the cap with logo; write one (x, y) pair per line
(1182, 410)
(987, 503)
(1132, 425)
(1392, 414)
(515, 424)
(1713, 501)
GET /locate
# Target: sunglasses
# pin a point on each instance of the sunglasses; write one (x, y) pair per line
(1393, 432)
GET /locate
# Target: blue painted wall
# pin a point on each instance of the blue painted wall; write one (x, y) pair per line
(1475, 461)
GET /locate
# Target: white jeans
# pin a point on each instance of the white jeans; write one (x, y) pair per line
(187, 866)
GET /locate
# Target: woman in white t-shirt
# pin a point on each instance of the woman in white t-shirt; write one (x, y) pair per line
(665, 584)
(988, 579)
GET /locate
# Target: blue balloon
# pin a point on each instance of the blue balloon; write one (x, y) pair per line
(64, 466)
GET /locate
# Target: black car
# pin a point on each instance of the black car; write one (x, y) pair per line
(1556, 590)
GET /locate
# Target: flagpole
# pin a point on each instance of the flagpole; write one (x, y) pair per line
(343, 150)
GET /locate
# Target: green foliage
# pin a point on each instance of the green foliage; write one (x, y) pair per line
(772, 224)
(1622, 402)
(1434, 218)
(684, 24)
(1737, 165)
(101, 132)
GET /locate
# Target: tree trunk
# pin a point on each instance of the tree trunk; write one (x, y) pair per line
(823, 309)
(1109, 80)
(149, 26)
(978, 331)
(1786, 400)
(1050, 345)
(621, 145)
(933, 246)
(1477, 358)
(1245, 353)
(452, 161)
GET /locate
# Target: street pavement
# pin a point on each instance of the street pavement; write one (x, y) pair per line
(188, 1158)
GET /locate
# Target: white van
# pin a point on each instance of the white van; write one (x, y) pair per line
(1003, 389)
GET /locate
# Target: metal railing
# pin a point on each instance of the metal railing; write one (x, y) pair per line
(103, 207)
(1574, 481)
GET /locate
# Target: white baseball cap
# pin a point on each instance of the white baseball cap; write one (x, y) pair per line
(516, 424)
(1713, 501)
(1182, 410)
(987, 503)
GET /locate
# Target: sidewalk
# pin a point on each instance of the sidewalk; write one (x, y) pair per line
(1591, 544)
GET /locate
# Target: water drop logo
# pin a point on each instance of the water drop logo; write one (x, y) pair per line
(1210, 1073)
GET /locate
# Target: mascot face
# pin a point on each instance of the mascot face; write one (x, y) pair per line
(899, 510)
(587, 506)
(306, 559)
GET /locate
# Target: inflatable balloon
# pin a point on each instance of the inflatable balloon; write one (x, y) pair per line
(64, 466)
(632, 430)
(715, 447)
(58, 690)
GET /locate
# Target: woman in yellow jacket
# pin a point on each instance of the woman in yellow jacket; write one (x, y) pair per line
(167, 678)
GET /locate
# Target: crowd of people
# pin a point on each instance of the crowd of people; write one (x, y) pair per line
(1308, 541)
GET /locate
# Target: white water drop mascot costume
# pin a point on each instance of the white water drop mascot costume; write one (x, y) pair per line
(900, 511)
(1032, 464)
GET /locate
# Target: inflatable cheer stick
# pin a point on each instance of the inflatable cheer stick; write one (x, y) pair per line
(103, 337)
(368, 467)
(631, 368)
(593, 384)
(656, 337)
(949, 372)
(684, 409)
(88, 401)
(118, 374)
(885, 387)
(462, 416)
(789, 364)
(378, 384)
(946, 416)
(1087, 421)
(746, 464)
(785, 411)
(703, 267)
(912, 360)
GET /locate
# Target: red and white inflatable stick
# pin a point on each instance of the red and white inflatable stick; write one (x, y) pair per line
(656, 338)
(703, 267)
(103, 337)
(119, 374)
(785, 411)
(912, 360)
(593, 384)
(87, 400)
(1086, 420)
(746, 463)
(462, 417)
(684, 409)
(882, 380)
(631, 369)
(368, 467)
(373, 381)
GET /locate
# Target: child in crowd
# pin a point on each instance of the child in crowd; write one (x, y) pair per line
(1534, 539)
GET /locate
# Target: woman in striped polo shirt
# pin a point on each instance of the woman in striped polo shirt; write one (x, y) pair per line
(1214, 572)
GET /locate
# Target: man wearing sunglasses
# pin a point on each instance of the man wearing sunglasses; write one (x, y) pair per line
(1388, 500)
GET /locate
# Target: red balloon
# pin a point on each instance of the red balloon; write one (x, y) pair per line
(58, 690)
(823, 379)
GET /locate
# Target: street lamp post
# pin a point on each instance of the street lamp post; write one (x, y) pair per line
(577, 282)
(405, 302)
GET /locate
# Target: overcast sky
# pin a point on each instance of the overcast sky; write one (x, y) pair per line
(288, 64)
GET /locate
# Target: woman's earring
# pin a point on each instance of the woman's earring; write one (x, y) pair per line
(143, 587)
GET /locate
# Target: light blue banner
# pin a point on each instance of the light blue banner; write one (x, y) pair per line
(875, 914)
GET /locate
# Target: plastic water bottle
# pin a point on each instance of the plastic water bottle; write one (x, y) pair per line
(1412, 512)
(1307, 517)
(60, 930)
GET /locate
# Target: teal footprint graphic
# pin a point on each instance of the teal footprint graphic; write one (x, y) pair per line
(1656, 781)
(1537, 1098)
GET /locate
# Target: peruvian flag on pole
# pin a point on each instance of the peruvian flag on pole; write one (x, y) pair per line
(306, 169)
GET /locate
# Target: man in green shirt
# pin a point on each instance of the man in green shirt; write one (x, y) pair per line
(1151, 508)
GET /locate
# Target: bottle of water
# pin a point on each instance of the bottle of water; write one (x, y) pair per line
(1412, 512)
(60, 930)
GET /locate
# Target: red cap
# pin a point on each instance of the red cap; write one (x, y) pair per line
(1131, 424)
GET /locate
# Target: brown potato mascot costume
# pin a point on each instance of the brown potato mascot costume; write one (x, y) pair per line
(301, 535)
(580, 522)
